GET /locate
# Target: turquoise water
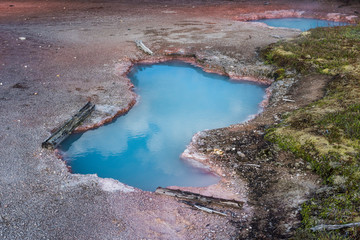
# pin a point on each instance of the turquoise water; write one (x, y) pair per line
(303, 24)
(176, 100)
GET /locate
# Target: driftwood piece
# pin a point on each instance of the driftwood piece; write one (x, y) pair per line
(198, 197)
(65, 130)
(334, 227)
(142, 46)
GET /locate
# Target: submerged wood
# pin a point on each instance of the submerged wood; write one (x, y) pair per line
(65, 130)
(142, 46)
(198, 197)
(334, 227)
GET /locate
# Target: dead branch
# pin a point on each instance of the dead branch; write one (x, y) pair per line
(334, 227)
(205, 209)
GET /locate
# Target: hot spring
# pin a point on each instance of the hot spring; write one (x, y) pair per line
(143, 147)
(303, 24)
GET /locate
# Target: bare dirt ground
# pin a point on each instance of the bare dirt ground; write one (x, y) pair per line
(56, 55)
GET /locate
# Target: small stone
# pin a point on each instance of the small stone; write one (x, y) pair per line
(240, 154)
(339, 180)
(22, 38)
(276, 36)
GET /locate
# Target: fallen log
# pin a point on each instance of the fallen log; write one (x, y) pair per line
(334, 227)
(67, 128)
(198, 197)
(142, 46)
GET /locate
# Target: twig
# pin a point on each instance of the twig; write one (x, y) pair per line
(251, 165)
(288, 100)
(334, 227)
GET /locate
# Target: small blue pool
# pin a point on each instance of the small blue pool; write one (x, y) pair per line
(176, 100)
(303, 24)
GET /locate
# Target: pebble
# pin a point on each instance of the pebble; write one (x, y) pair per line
(240, 154)
(22, 38)
(276, 36)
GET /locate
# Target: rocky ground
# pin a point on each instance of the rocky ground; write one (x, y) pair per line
(56, 55)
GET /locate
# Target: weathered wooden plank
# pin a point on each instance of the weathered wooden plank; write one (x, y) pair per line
(198, 197)
(142, 46)
(65, 130)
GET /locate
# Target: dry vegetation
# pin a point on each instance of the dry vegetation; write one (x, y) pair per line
(325, 133)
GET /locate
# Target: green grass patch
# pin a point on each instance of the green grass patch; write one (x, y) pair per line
(323, 50)
(325, 133)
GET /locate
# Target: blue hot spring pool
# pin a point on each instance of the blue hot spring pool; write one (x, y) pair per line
(176, 100)
(303, 24)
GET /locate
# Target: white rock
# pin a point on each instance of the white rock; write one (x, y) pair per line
(22, 38)
(111, 185)
(241, 154)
